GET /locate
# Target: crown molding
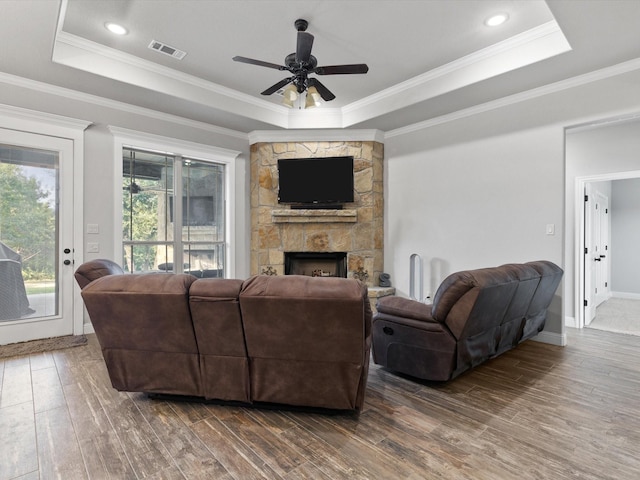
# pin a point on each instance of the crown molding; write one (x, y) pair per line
(85, 55)
(567, 84)
(134, 137)
(526, 48)
(63, 92)
(58, 121)
(328, 135)
(602, 123)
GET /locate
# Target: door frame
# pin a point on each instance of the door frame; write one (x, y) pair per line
(581, 225)
(39, 123)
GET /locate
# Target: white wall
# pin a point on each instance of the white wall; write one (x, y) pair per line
(625, 236)
(479, 190)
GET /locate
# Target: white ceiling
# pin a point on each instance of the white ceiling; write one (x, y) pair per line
(426, 58)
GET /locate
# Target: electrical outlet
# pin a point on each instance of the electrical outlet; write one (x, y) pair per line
(93, 228)
(93, 247)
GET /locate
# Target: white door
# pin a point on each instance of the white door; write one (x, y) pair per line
(36, 236)
(596, 255)
(601, 249)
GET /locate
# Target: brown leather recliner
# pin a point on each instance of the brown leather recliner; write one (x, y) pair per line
(290, 340)
(475, 315)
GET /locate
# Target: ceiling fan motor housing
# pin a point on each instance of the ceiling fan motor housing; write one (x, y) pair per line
(301, 25)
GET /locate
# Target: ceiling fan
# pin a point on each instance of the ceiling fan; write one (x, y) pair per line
(301, 64)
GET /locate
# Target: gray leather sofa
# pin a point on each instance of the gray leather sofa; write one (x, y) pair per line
(476, 315)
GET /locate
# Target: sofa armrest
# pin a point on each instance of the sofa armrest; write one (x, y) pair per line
(405, 308)
(94, 269)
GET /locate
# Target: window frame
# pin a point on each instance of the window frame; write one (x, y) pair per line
(206, 153)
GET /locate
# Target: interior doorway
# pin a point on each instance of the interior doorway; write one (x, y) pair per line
(593, 246)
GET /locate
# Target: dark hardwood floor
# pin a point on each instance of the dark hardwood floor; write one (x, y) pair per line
(536, 412)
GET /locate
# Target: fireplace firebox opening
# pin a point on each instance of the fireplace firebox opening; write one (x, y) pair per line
(316, 264)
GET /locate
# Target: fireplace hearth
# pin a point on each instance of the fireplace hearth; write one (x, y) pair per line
(316, 264)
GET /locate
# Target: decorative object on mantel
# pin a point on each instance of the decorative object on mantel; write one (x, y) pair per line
(321, 273)
(361, 274)
(385, 280)
(269, 271)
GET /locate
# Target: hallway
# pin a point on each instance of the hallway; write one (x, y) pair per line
(619, 315)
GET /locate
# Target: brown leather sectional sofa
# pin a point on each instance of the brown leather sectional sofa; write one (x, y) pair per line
(476, 315)
(290, 340)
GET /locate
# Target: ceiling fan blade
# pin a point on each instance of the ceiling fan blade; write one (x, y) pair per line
(324, 92)
(342, 69)
(303, 48)
(260, 63)
(277, 86)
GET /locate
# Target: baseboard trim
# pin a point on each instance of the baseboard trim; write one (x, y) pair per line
(558, 339)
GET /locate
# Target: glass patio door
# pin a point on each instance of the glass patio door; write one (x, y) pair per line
(36, 234)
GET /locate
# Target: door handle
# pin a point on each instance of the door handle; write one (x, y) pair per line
(597, 259)
(603, 256)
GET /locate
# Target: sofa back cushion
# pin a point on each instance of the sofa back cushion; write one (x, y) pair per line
(302, 317)
(483, 305)
(144, 327)
(142, 311)
(308, 339)
(449, 292)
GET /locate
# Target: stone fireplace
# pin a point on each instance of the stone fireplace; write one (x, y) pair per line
(356, 230)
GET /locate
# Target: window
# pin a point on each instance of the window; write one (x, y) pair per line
(173, 213)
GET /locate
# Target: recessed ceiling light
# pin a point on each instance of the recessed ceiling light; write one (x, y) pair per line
(495, 20)
(116, 28)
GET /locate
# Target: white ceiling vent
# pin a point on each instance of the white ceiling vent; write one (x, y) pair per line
(166, 49)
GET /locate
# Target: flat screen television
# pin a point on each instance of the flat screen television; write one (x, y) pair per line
(316, 182)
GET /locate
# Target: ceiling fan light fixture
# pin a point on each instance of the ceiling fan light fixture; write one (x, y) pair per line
(290, 93)
(289, 96)
(313, 98)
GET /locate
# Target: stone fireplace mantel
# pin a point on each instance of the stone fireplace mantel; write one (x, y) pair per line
(356, 230)
(315, 216)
